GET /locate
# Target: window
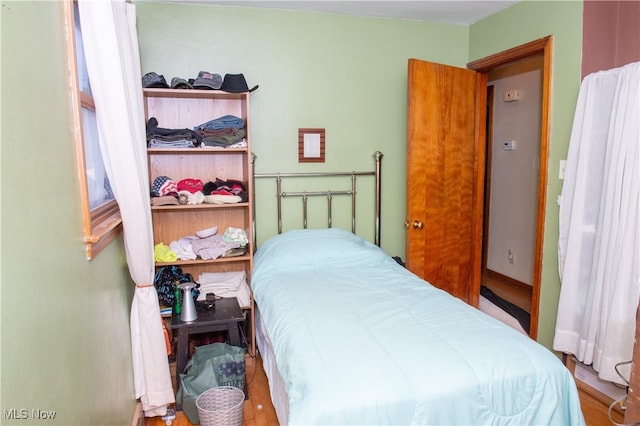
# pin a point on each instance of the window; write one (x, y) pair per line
(101, 215)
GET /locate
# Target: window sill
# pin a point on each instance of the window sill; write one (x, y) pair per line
(106, 225)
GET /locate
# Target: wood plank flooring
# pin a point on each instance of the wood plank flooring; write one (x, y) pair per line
(595, 411)
(259, 411)
(514, 294)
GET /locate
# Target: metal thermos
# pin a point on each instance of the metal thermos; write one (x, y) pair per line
(189, 312)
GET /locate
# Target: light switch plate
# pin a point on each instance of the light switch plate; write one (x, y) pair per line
(563, 165)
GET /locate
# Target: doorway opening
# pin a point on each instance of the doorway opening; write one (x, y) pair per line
(511, 185)
(512, 261)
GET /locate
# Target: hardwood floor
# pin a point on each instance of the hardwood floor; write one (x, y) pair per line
(518, 294)
(259, 411)
(595, 411)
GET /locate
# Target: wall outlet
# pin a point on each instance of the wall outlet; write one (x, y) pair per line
(511, 257)
(509, 145)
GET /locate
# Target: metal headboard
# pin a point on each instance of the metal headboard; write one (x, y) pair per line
(304, 195)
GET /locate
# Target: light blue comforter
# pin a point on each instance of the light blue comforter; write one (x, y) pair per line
(360, 340)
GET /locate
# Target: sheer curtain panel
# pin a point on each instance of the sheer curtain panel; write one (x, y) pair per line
(113, 63)
(599, 241)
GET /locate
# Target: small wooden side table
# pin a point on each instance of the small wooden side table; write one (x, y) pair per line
(225, 317)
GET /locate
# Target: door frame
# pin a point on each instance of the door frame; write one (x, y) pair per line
(541, 46)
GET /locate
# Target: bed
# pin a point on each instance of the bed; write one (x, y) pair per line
(349, 336)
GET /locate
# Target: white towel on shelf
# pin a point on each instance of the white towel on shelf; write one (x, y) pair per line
(226, 284)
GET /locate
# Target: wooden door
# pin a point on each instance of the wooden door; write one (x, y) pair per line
(445, 176)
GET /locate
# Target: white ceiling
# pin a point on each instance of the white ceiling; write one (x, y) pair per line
(463, 12)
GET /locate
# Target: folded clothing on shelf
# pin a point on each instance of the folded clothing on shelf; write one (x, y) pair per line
(159, 137)
(208, 245)
(226, 284)
(231, 188)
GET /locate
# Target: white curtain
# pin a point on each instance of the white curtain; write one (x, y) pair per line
(599, 242)
(113, 63)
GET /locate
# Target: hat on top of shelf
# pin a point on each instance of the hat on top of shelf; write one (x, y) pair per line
(236, 83)
(164, 200)
(190, 184)
(153, 80)
(207, 80)
(180, 83)
(163, 185)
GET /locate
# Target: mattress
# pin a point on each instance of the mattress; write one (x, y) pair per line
(276, 383)
(358, 339)
(489, 308)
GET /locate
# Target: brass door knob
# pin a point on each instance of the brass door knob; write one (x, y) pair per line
(416, 224)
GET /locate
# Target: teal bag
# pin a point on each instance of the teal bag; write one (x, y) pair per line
(217, 364)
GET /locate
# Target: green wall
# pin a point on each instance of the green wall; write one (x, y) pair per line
(342, 73)
(521, 23)
(65, 320)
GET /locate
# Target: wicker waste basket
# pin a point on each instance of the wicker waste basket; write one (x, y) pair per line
(221, 406)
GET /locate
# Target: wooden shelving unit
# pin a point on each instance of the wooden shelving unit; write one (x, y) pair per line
(185, 109)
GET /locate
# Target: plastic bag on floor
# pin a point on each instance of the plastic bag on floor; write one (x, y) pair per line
(217, 364)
